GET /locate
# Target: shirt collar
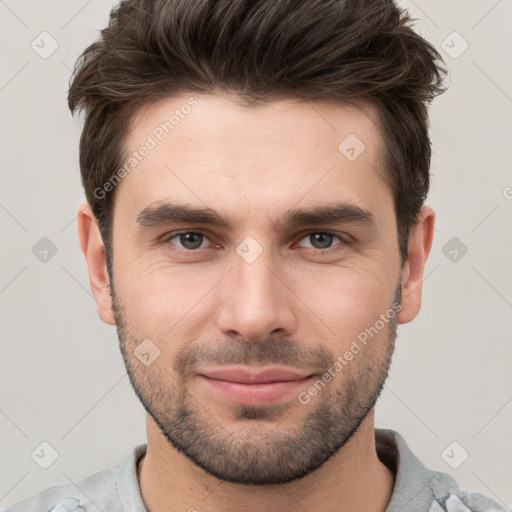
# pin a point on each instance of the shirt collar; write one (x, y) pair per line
(414, 487)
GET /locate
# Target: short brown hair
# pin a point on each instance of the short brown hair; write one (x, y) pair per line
(260, 51)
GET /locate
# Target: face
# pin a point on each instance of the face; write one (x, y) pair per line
(296, 266)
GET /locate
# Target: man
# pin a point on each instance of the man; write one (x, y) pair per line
(255, 174)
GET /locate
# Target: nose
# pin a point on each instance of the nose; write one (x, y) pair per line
(256, 301)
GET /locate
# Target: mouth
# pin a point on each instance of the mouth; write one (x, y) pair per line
(267, 386)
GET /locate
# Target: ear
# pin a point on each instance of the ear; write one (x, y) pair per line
(420, 242)
(94, 252)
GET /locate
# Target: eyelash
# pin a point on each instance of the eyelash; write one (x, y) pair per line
(343, 242)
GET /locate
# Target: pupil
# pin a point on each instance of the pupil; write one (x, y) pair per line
(186, 240)
(319, 236)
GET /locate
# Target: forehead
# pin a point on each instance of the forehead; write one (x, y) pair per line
(215, 119)
(211, 149)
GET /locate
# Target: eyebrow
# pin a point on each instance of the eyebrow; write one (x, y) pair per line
(166, 212)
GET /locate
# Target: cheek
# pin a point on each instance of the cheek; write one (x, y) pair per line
(331, 301)
(158, 295)
(343, 301)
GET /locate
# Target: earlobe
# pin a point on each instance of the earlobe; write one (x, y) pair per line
(420, 243)
(93, 249)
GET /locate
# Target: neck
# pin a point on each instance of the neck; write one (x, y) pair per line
(353, 479)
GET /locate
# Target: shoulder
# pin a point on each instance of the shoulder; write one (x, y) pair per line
(419, 488)
(96, 492)
(113, 490)
(465, 501)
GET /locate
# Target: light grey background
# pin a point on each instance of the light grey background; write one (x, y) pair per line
(62, 377)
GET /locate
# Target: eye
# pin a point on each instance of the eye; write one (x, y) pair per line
(189, 240)
(322, 240)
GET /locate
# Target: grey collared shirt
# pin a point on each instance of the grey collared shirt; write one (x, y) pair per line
(417, 489)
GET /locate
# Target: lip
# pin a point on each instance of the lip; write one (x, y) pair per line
(255, 388)
(244, 376)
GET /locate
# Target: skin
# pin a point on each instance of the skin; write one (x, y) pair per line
(292, 306)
